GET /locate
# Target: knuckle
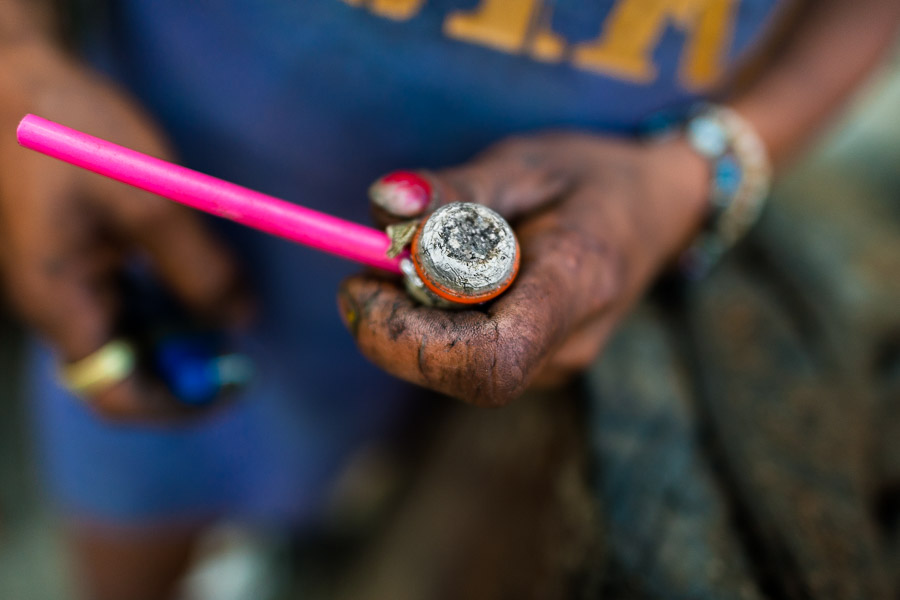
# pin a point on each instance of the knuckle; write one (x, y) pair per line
(511, 144)
(521, 156)
(527, 156)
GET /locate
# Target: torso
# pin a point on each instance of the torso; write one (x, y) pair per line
(310, 100)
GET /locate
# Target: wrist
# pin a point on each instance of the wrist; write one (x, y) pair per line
(741, 177)
(682, 177)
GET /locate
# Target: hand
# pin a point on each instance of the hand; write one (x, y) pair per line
(66, 234)
(596, 219)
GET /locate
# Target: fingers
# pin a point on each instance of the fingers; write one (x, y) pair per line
(514, 178)
(197, 268)
(56, 274)
(61, 267)
(187, 257)
(486, 357)
(66, 236)
(60, 274)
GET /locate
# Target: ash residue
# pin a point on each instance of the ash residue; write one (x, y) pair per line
(466, 247)
(469, 238)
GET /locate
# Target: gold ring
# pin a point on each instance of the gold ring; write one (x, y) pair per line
(106, 367)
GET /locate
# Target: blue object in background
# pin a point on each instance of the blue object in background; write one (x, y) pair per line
(196, 371)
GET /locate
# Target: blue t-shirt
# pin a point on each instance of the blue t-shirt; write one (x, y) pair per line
(310, 101)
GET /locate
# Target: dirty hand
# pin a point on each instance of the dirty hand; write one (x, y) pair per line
(596, 219)
(66, 234)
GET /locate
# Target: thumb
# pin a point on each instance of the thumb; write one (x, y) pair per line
(513, 178)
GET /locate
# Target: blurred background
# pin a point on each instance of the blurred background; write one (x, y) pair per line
(858, 160)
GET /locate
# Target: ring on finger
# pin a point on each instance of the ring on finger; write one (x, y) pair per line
(108, 366)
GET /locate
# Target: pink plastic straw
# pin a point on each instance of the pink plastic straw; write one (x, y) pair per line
(227, 200)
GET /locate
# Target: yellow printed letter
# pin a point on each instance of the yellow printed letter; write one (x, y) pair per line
(545, 44)
(706, 50)
(399, 10)
(500, 24)
(634, 28)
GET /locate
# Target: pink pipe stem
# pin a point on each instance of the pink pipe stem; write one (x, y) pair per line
(217, 197)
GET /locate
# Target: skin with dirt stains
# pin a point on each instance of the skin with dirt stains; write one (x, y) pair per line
(596, 219)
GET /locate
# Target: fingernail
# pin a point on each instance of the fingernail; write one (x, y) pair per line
(349, 311)
(402, 193)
